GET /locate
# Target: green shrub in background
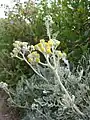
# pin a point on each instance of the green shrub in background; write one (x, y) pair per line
(71, 21)
(10, 70)
(14, 28)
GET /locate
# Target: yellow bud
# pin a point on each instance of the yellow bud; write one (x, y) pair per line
(60, 54)
(37, 60)
(37, 55)
(46, 44)
(39, 47)
(48, 51)
(50, 42)
(33, 53)
(42, 49)
(30, 60)
(57, 42)
(36, 47)
(42, 41)
(40, 44)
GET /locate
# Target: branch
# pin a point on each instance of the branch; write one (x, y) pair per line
(43, 64)
(33, 68)
(49, 64)
(54, 56)
(66, 92)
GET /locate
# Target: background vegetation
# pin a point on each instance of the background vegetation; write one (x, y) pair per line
(25, 23)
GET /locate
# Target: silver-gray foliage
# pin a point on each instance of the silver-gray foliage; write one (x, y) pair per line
(47, 101)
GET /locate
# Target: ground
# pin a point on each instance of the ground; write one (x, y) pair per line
(6, 112)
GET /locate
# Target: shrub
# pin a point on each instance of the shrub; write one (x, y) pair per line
(10, 70)
(39, 99)
(54, 92)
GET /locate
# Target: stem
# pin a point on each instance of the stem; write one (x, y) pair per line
(54, 56)
(66, 92)
(43, 64)
(48, 30)
(19, 58)
(49, 64)
(41, 113)
(63, 88)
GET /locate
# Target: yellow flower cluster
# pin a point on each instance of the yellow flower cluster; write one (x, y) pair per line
(44, 47)
(33, 57)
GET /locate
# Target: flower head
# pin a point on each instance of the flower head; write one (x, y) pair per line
(60, 55)
(64, 55)
(50, 42)
(33, 57)
(19, 47)
(44, 47)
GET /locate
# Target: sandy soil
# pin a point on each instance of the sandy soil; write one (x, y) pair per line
(6, 112)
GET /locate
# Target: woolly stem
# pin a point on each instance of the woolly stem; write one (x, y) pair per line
(66, 92)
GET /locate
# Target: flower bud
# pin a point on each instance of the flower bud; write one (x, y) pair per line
(50, 42)
(64, 55)
(30, 60)
(48, 51)
(37, 60)
(60, 54)
(42, 41)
